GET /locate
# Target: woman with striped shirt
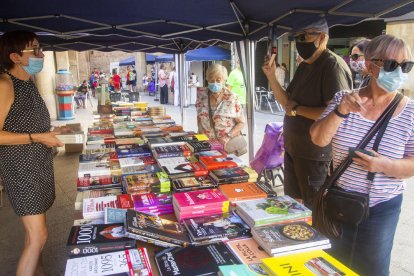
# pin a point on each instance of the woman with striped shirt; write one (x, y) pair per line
(344, 123)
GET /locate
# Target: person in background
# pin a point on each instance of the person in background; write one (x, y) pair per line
(235, 83)
(91, 83)
(81, 94)
(133, 79)
(287, 75)
(162, 81)
(321, 74)
(26, 141)
(357, 63)
(280, 74)
(116, 80)
(145, 82)
(344, 123)
(224, 106)
(173, 77)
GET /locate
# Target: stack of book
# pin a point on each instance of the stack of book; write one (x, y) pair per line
(199, 203)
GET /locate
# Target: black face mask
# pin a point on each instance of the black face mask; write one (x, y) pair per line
(305, 49)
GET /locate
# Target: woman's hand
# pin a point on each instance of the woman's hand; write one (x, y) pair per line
(269, 70)
(351, 102)
(48, 139)
(376, 163)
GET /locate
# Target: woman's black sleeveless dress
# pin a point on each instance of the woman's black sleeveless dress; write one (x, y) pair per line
(27, 170)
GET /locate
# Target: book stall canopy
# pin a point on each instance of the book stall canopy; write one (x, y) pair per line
(207, 54)
(127, 61)
(170, 28)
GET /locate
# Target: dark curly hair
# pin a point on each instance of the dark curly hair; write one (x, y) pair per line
(13, 42)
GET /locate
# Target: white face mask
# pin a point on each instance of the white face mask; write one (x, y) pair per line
(358, 65)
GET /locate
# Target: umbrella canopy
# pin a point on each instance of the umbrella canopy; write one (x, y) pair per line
(177, 26)
(209, 53)
(165, 58)
(127, 61)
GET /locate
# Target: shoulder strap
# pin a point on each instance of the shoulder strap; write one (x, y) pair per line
(210, 114)
(382, 120)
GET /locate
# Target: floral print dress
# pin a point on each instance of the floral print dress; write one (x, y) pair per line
(224, 116)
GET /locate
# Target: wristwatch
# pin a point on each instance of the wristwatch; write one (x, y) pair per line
(293, 111)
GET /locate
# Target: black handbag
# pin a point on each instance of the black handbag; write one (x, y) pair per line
(333, 205)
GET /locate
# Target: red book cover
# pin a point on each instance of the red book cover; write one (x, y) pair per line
(98, 180)
(215, 163)
(125, 201)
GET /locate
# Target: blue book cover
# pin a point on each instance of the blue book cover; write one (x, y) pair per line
(114, 215)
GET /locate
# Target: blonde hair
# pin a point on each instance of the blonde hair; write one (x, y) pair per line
(386, 47)
(217, 70)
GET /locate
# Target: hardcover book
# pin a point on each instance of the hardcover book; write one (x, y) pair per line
(271, 210)
(205, 260)
(282, 238)
(228, 225)
(242, 191)
(316, 262)
(121, 263)
(152, 226)
(250, 253)
(96, 239)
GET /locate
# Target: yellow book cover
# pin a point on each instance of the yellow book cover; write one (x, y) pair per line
(311, 263)
(201, 137)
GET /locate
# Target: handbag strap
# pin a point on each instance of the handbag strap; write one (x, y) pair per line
(382, 121)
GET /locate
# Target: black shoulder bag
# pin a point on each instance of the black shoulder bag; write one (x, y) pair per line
(333, 205)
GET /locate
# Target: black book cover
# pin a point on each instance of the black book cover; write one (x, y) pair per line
(216, 226)
(197, 146)
(229, 174)
(193, 183)
(100, 238)
(153, 226)
(194, 260)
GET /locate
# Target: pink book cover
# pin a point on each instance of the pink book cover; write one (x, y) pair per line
(159, 212)
(215, 144)
(199, 198)
(222, 207)
(199, 213)
(151, 199)
(155, 208)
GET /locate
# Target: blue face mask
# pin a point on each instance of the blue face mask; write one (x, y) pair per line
(391, 81)
(215, 87)
(35, 65)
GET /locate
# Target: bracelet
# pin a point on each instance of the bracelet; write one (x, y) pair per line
(339, 114)
(31, 139)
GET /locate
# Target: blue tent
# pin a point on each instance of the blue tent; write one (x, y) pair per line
(209, 53)
(127, 61)
(150, 58)
(165, 58)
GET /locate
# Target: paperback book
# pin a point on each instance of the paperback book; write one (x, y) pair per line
(228, 225)
(231, 175)
(271, 210)
(94, 208)
(114, 215)
(96, 239)
(242, 191)
(138, 151)
(192, 184)
(205, 260)
(93, 193)
(171, 151)
(129, 262)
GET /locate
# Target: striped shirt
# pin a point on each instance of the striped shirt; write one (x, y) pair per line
(397, 143)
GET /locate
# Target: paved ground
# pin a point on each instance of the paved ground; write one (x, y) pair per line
(60, 216)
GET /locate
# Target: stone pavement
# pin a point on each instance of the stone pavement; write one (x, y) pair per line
(60, 216)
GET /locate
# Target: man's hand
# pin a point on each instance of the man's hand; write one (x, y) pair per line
(289, 107)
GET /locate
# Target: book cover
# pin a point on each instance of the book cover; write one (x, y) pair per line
(199, 199)
(266, 188)
(163, 141)
(94, 208)
(216, 226)
(242, 191)
(114, 215)
(215, 163)
(171, 151)
(151, 200)
(212, 153)
(237, 270)
(205, 260)
(125, 201)
(227, 174)
(197, 146)
(180, 169)
(271, 210)
(136, 161)
(192, 183)
(153, 226)
(215, 144)
(94, 158)
(312, 263)
(96, 239)
(93, 193)
(126, 262)
(94, 169)
(138, 169)
(250, 253)
(138, 182)
(287, 237)
(134, 152)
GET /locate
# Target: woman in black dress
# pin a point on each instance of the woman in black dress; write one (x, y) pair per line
(26, 164)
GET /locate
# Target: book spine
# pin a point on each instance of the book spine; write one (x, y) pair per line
(267, 221)
(157, 236)
(150, 241)
(168, 154)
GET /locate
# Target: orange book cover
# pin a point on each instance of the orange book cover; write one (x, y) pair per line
(242, 191)
(215, 163)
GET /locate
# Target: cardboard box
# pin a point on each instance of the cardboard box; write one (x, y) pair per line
(73, 148)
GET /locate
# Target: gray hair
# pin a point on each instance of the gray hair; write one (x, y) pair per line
(217, 70)
(386, 47)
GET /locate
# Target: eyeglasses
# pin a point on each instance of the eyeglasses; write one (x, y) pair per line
(301, 37)
(390, 65)
(36, 51)
(355, 56)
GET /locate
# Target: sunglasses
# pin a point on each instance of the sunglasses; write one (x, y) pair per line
(354, 57)
(36, 51)
(302, 37)
(391, 65)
